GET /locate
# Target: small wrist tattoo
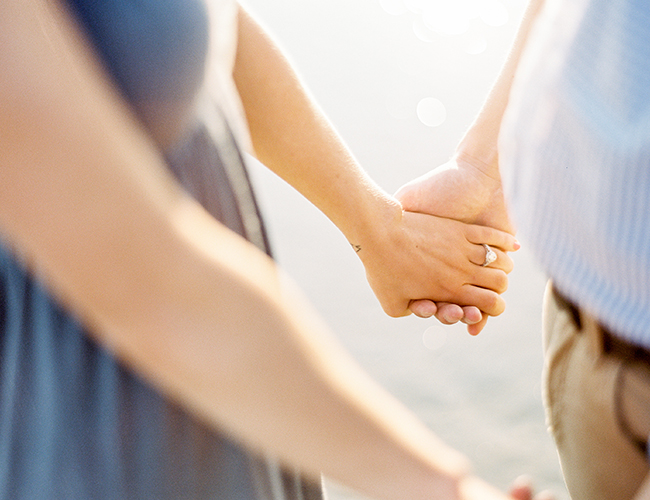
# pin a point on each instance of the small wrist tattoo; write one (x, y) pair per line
(357, 248)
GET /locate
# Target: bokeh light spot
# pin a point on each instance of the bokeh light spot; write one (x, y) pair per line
(431, 112)
(434, 338)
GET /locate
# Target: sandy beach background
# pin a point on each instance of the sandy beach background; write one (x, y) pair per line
(401, 80)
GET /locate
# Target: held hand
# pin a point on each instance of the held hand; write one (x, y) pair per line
(466, 190)
(522, 489)
(473, 488)
(423, 256)
(461, 189)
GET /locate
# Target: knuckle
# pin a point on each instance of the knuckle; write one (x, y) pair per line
(494, 304)
(501, 283)
(484, 233)
(395, 310)
(469, 230)
(440, 317)
(500, 306)
(476, 234)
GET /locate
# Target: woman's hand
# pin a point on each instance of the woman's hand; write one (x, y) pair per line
(416, 256)
(467, 190)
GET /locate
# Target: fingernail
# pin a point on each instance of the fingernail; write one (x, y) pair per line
(517, 245)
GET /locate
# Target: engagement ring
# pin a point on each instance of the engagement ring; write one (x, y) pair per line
(490, 255)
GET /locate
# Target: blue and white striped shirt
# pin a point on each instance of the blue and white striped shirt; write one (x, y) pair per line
(575, 155)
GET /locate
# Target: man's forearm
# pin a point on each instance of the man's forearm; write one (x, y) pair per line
(479, 145)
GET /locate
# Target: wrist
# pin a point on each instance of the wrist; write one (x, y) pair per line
(481, 162)
(480, 153)
(374, 223)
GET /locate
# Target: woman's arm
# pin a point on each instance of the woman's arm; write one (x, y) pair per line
(406, 256)
(188, 304)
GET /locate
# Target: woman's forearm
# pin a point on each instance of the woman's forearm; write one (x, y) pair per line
(404, 258)
(292, 137)
(185, 302)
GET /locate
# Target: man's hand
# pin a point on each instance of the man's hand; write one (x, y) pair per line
(461, 189)
(466, 190)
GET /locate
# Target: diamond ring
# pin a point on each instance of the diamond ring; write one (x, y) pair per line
(490, 255)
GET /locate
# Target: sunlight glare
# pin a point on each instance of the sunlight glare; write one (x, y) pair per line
(448, 17)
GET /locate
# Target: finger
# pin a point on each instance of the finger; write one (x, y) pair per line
(502, 262)
(396, 308)
(488, 301)
(423, 308)
(493, 237)
(490, 279)
(477, 328)
(521, 494)
(472, 315)
(522, 488)
(449, 314)
(544, 495)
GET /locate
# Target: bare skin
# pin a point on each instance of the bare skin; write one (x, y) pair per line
(199, 312)
(406, 256)
(468, 187)
(459, 189)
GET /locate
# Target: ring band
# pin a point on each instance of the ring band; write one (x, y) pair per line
(490, 255)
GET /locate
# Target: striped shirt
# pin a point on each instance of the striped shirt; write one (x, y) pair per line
(575, 156)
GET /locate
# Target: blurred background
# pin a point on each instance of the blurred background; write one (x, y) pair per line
(402, 80)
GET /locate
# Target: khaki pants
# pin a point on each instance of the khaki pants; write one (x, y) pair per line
(597, 407)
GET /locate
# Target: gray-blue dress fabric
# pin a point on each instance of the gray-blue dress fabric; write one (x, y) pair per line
(74, 424)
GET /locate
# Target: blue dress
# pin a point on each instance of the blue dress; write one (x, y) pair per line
(74, 423)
